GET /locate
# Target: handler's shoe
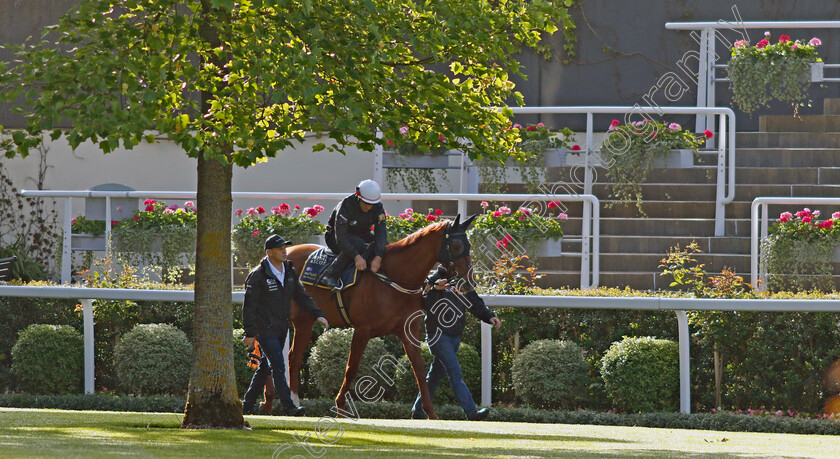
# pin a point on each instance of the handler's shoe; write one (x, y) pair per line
(418, 415)
(294, 411)
(480, 415)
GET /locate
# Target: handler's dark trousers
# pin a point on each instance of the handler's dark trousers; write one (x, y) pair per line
(249, 401)
(272, 348)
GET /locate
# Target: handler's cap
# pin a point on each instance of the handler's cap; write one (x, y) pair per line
(275, 241)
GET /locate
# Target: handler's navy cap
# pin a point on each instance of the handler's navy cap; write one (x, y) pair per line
(275, 241)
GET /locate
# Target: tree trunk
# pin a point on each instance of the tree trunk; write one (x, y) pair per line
(212, 400)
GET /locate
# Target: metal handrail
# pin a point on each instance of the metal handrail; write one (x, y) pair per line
(759, 229)
(590, 228)
(707, 40)
(678, 305)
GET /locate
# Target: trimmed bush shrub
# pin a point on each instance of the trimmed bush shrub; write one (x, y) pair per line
(551, 374)
(470, 366)
(154, 359)
(49, 359)
(642, 374)
(329, 360)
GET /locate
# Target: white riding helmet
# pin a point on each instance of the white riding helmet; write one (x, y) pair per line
(368, 191)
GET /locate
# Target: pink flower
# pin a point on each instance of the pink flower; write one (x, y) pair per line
(674, 127)
(150, 208)
(174, 206)
(403, 215)
(119, 208)
(284, 208)
(806, 212)
(257, 232)
(410, 218)
(148, 202)
(709, 134)
(806, 219)
(261, 209)
(403, 129)
(390, 144)
(238, 212)
(784, 39)
(275, 210)
(562, 216)
(409, 210)
(168, 211)
(441, 138)
(836, 215)
(767, 34)
(72, 221)
(540, 125)
(525, 210)
(795, 46)
(485, 204)
(531, 128)
(741, 43)
(189, 204)
(497, 214)
(505, 210)
(785, 217)
(431, 218)
(438, 212)
(575, 147)
(762, 44)
(614, 124)
(318, 207)
(252, 211)
(517, 126)
(553, 204)
(815, 42)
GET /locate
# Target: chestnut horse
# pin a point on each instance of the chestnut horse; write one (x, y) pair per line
(376, 308)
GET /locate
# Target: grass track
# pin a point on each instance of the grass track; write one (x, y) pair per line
(56, 433)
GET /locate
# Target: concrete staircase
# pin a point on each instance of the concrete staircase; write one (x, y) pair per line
(788, 156)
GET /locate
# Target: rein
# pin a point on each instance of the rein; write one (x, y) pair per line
(393, 284)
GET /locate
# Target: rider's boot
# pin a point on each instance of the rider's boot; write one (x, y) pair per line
(333, 272)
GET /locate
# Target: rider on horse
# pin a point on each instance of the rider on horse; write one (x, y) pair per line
(355, 232)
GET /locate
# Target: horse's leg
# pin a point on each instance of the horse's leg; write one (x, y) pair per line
(416, 359)
(357, 348)
(303, 336)
(268, 394)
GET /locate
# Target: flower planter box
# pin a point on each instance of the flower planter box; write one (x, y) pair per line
(87, 242)
(817, 72)
(424, 161)
(676, 159)
(550, 248)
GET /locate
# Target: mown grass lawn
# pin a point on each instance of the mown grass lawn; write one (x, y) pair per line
(56, 433)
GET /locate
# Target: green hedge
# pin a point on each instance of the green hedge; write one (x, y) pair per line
(551, 374)
(49, 359)
(154, 359)
(328, 360)
(642, 374)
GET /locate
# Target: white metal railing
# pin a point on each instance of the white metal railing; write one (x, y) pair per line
(707, 56)
(759, 227)
(678, 305)
(590, 225)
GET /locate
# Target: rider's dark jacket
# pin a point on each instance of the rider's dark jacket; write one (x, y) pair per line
(445, 308)
(348, 225)
(267, 302)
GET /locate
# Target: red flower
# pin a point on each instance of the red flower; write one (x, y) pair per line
(614, 124)
(575, 147)
(531, 128)
(553, 204)
(371, 227)
(261, 209)
(136, 218)
(497, 214)
(256, 232)
(438, 212)
(762, 43)
(311, 212)
(784, 39)
(806, 219)
(150, 208)
(148, 202)
(297, 207)
(826, 224)
(709, 134)
(431, 218)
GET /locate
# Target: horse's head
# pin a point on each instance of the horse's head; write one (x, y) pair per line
(455, 251)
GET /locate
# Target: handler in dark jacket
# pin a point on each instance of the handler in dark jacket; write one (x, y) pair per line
(269, 291)
(445, 307)
(349, 232)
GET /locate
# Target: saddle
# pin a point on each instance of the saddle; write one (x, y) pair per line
(317, 263)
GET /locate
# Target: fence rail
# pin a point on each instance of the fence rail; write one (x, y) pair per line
(678, 305)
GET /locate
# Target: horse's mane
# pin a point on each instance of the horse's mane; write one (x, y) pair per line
(414, 237)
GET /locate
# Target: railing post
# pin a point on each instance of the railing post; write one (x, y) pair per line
(685, 368)
(87, 319)
(66, 249)
(720, 194)
(486, 364)
(702, 79)
(108, 227)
